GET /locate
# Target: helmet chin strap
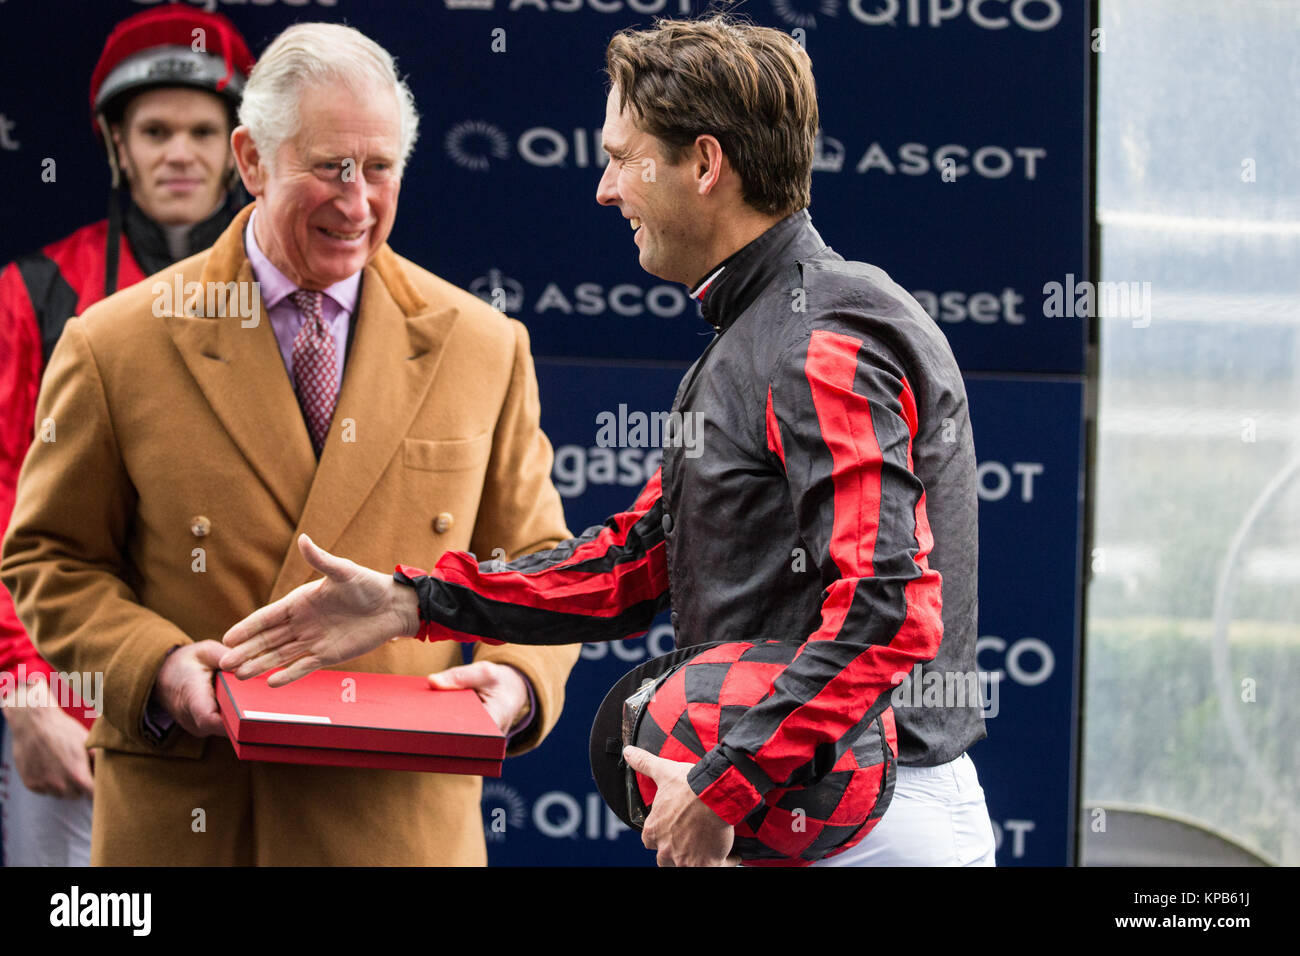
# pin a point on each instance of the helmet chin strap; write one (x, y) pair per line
(111, 148)
(113, 241)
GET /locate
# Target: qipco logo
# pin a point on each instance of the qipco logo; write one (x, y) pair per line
(562, 816)
(1028, 661)
(1033, 15)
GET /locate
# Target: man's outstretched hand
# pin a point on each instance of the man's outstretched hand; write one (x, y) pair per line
(347, 613)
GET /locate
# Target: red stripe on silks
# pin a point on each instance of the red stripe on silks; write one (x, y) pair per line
(437, 632)
(731, 796)
(597, 594)
(924, 539)
(774, 431)
(623, 524)
(788, 748)
(908, 401)
(611, 537)
(601, 544)
(849, 694)
(553, 588)
(844, 418)
(649, 494)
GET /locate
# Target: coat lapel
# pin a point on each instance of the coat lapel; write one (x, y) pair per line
(243, 376)
(398, 343)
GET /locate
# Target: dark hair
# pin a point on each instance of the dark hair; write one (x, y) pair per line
(751, 87)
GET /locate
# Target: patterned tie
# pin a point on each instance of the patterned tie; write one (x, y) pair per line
(314, 367)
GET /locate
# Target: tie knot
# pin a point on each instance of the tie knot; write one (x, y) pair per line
(308, 302)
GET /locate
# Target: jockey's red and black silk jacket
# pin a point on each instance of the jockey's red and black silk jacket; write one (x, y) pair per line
(828, 499)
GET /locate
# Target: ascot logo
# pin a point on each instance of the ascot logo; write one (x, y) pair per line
(953, 159)
(505, 294)
(499, 291)
(791, 14)
(828, 154)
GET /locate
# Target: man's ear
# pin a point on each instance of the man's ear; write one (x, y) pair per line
(707, 161)
(231, 166)
(248, 159)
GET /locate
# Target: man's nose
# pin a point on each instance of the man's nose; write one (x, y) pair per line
(179, 150)
(354, 198)
(607, 190)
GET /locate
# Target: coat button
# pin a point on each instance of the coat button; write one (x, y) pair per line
(200, 526)
(668, 524)
(442, 524)
(673, 618)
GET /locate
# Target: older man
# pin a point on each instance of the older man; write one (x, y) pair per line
(312, 381)
(832, 503)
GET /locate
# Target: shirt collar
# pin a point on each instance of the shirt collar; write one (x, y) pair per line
(149, 244)
(729, 287)
(276, 286)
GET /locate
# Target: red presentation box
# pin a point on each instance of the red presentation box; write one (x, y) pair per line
(349, 719)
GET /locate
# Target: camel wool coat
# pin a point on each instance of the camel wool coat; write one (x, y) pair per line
(160, 503)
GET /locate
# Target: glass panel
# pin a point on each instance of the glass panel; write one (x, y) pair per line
(1193, 635)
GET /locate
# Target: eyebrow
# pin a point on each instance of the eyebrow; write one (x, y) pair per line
(330, 156)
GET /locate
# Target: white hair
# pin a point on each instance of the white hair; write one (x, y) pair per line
(308, 54)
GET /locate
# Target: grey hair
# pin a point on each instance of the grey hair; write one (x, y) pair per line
(317, 53)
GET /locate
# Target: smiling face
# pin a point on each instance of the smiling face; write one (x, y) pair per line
(660, 200)
(328, 200)
(173, 147)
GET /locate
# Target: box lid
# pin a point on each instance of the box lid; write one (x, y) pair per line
(348, 710)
